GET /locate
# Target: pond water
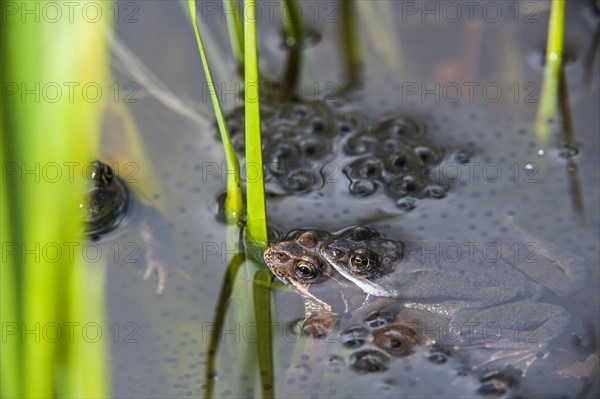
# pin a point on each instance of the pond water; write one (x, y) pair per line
(473, 84)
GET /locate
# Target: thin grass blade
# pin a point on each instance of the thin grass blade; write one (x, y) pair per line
(233, 203)
(236, 31)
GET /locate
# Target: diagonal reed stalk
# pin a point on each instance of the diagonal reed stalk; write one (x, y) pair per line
(43, 292)
(233, 203)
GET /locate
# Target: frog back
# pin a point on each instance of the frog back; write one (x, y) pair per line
(430, 272)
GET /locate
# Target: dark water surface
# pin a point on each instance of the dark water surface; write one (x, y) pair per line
(414, 67)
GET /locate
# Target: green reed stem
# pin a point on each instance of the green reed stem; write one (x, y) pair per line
(255, 189)
(236, 31)
(233, 203)
(43, 291)
(352, 52)
(295, 40)
(264, 344)
(548, 119)
(292, 17)
(219, 320)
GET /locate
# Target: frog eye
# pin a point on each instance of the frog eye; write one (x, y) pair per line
(362, 261)
(102, 173)
(306, 270)
(107, 175)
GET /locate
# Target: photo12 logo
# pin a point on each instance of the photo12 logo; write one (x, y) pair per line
(52, 172)
(68, 331)
(55, 12)
(69, 92)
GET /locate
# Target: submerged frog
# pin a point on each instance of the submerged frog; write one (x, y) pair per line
(492, 300)
(109, 204)
(296, 262)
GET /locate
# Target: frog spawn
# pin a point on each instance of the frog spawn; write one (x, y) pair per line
(384, 336)
(298, 141)
(300, 144)
(396, 157)
(380, 337)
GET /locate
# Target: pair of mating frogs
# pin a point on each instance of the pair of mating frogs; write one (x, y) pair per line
(477, 298)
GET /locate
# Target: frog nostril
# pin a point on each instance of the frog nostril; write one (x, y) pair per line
(281, 256)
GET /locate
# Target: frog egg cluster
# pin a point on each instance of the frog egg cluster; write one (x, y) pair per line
(298, 141)
(395, 156)
(381, 337)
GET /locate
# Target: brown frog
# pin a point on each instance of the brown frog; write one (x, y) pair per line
(109, 205)
(490, 300)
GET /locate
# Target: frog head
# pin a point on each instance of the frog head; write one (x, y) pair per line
(106, 202)
(362, 255)
(296, 261)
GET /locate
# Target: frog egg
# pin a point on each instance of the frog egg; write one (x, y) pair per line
(369, 361)
(300, 180)
(317, 126)
(405, 127)
(362, 188)
(280, 155)
(429, 155)
(437, 190)
(406, 204)
(379, 318)
(438, 355)
(360, 144)
(347, 124)
(354, 337)
(401, 160)
(463, 156)
(364, 168)
(397, 340)
(280, 132)
(299, 112)
(315, 148)
(402, 186)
